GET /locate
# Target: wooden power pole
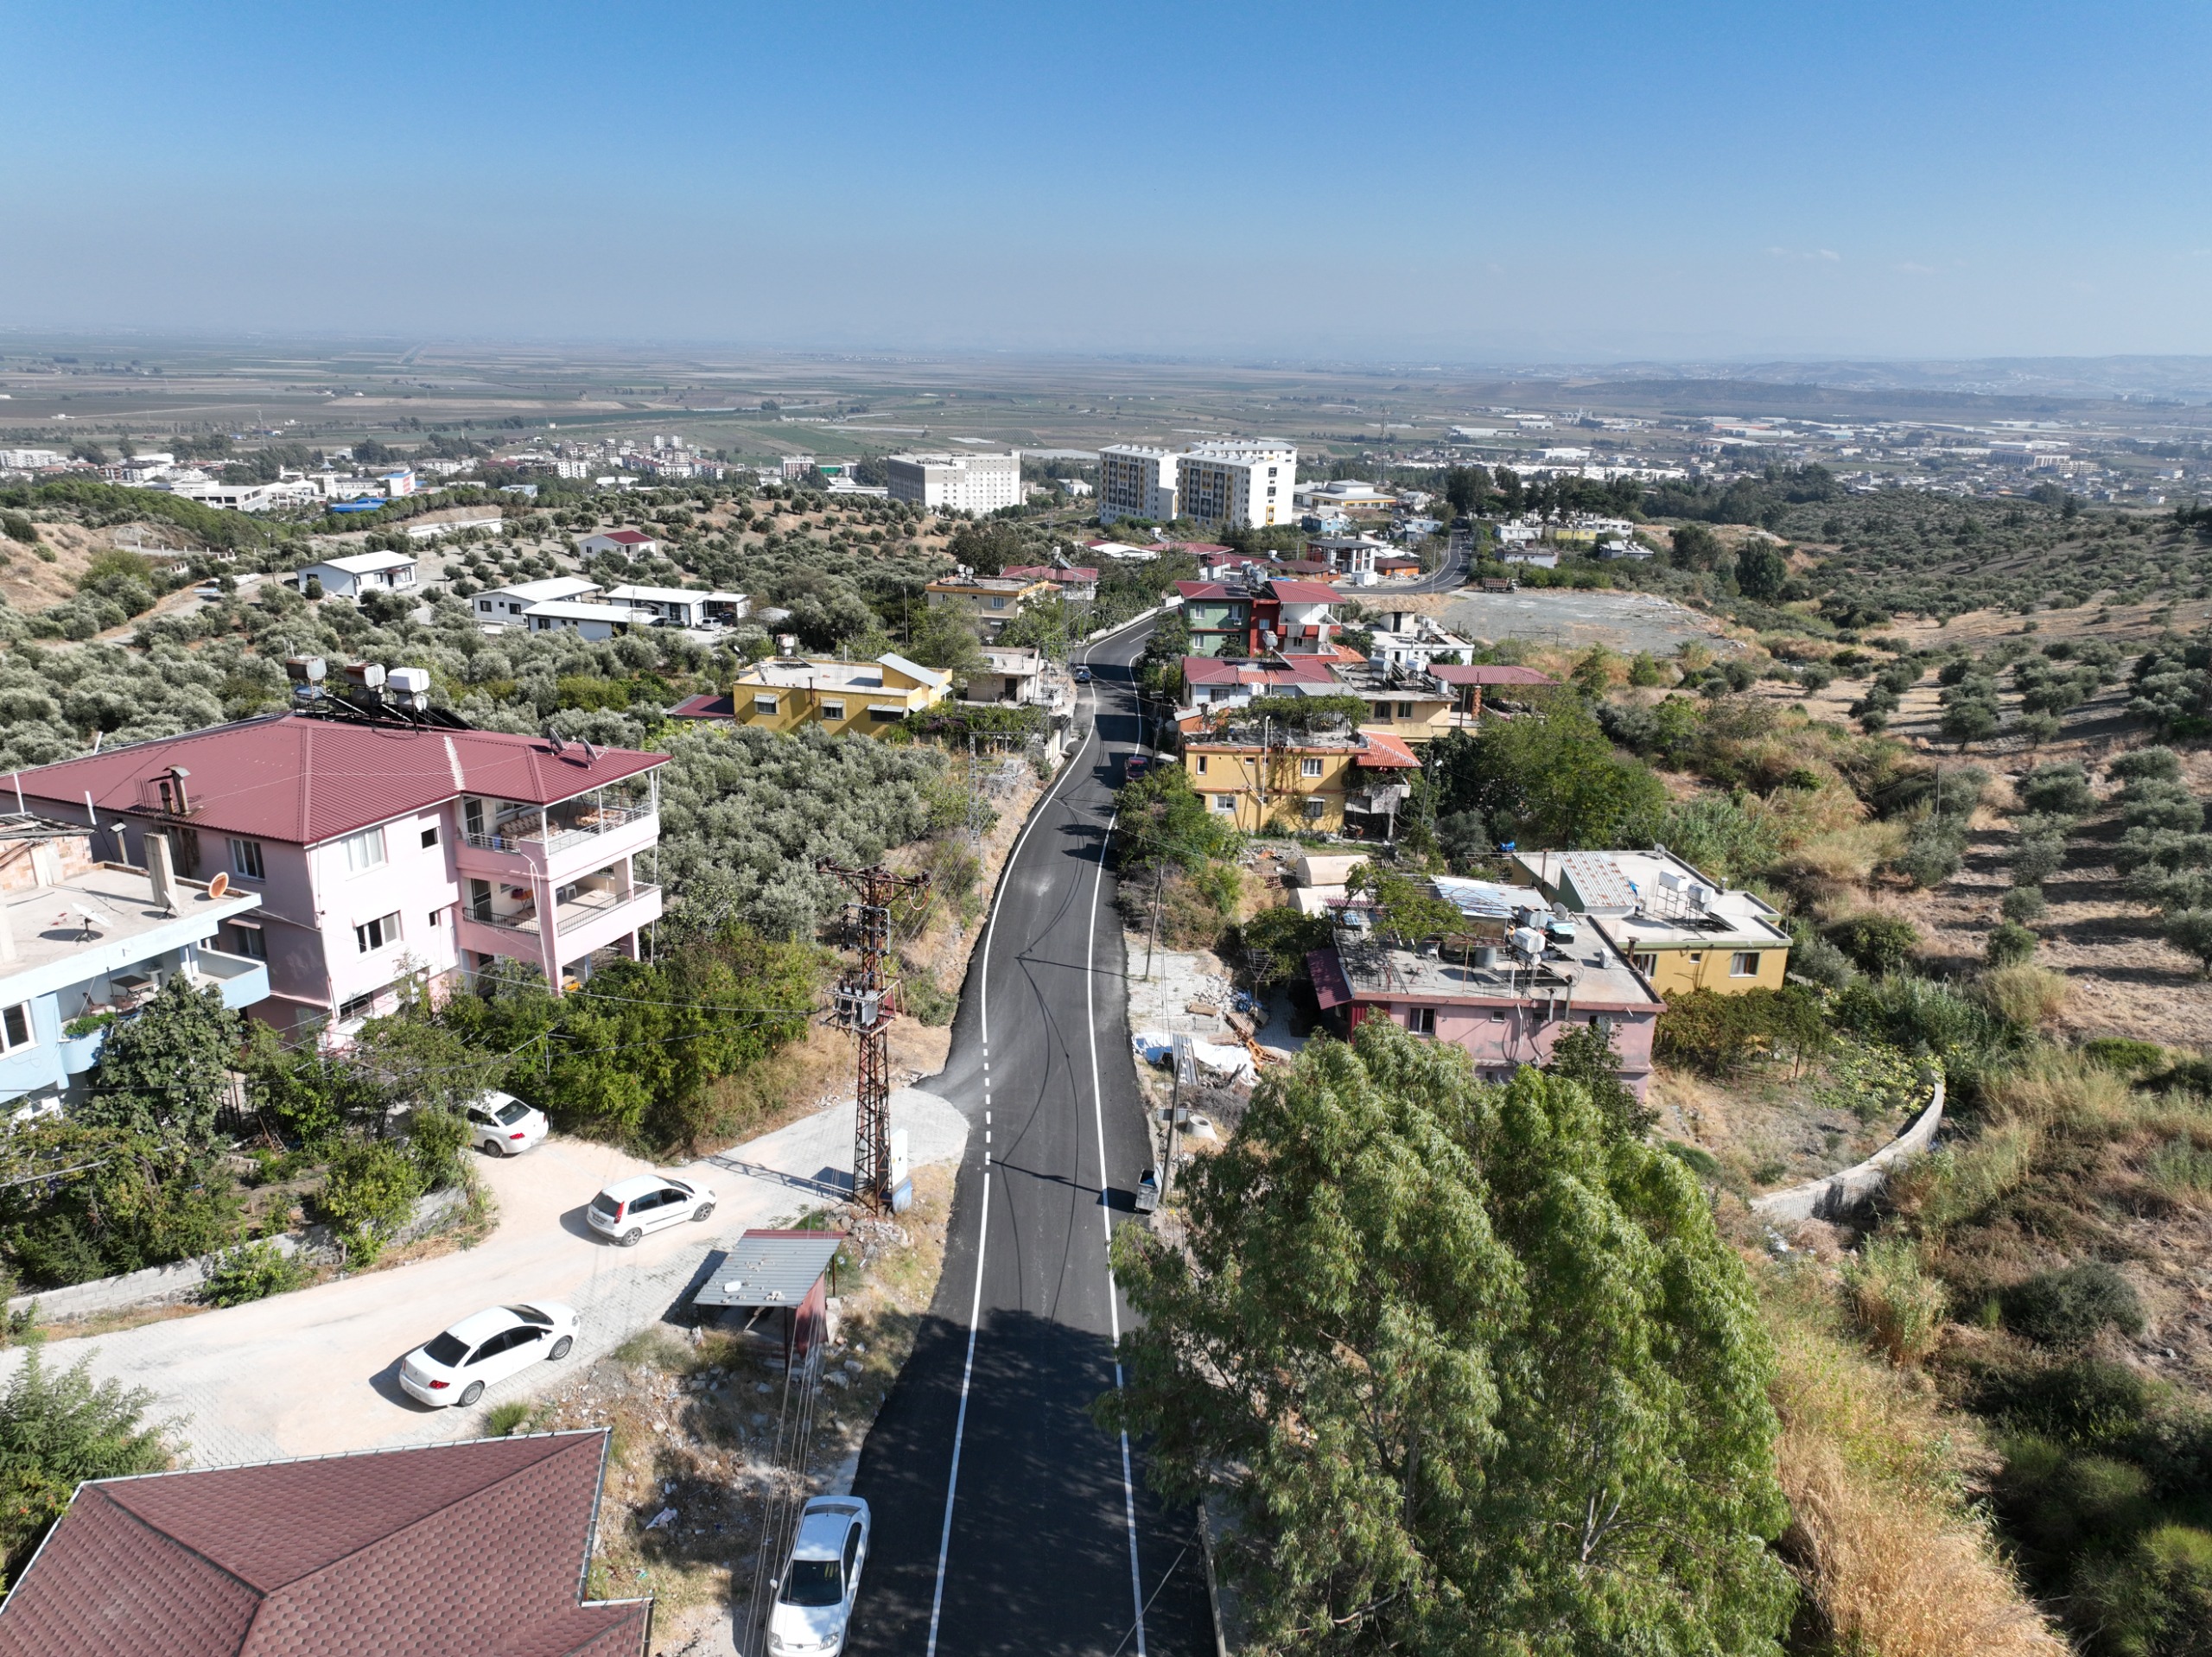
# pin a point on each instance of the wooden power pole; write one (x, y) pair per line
(863, 1007)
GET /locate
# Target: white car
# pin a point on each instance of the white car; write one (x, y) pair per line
(486, 1346)
(815, 1595)
(500, 1125)
(630, 1208)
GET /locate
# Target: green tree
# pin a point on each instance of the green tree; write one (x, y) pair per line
(164, 1070)
(1549, 777)
(1586, 1057)
(59, 1428)
(1473, 1373)
(1761, 570)
(1694, 547)
(367, 1195)
(1280, 940)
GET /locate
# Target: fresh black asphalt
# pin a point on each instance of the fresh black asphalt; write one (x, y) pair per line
(1037, 1558)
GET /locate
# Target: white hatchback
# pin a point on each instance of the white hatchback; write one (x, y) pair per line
(815, 1595)
(488, 1346)
(630, 1208)
(500, 1125)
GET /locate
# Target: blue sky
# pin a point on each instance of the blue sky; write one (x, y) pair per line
(1450, 182)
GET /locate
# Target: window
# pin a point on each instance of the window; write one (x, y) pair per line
(429, 837)
(364, 851)
(998, 604)
(1309, 768)
(1405, 710)
(371, 936)
(249, 940)
(833, 710)
(1421, 1020)
(435, 916)
(1743, 964)
(764, 705)
(1647, 964)
(355, 1006)
(1202, 764)
(1223, 802)
(484, 606)
(16, 1027)
(1382, 710)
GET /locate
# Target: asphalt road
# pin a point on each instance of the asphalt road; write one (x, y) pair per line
(1005, 1521)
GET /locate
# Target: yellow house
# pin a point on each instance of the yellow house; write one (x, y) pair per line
(1682, 930)
(990, 601)
(790, 693)
(1331, 784)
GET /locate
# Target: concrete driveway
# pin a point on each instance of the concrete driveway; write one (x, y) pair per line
(315, 1372)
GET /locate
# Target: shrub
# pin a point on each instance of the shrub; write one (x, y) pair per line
(253, 1270)
(1917, 1015)
(508, 1418)
(2010, 945)
(2190, 931)
(2082, 1400)
(2069, 1307)
(2181, 1168)
(2146, 765)
(57, 1428)
(1718, 1035)
(434, 1142)
(2161, 805)
(2062, 790)
(2035, 861)
(1814, 958)
(2120, 1053)
(368, 1194)
(1934, 850)
(1897, 1303)
(2026, 996)
(1875, 943)
(2023, 904)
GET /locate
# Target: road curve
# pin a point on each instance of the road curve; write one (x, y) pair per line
(1006, 1519)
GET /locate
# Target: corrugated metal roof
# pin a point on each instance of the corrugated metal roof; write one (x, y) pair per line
(1598, 881)
(305, 780)
(772, 1268)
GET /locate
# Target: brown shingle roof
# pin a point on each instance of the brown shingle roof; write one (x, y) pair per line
(473, 1548)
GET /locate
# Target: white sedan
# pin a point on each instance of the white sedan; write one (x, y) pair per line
(815, 1595)
(500, 1125)
(630, 1208)
(486, 1346)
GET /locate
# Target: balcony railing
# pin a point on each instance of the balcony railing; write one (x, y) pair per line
(557, 836)
(578, 911)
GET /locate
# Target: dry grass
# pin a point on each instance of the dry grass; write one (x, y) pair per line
(2028, 995)
(1835, 864)
(1878, 1478)
(1897, 1303)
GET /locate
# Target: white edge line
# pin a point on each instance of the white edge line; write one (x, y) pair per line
(982, 1236)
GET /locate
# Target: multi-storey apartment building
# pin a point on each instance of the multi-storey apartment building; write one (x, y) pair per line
(1134, 481)
(957, 483)
(385, 853)
(1239, 485)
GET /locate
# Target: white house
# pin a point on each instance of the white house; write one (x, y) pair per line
(360, 572)
(681, 606)
(595, 621)
(631, 544)
(506, 606)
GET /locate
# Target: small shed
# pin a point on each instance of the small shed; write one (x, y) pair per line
(776, 1283)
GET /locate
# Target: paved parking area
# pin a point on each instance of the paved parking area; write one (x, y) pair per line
(314, 1372)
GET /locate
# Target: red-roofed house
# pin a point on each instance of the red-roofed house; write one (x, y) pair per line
(479, 1548)
(1348, 783)
(1468, 680)
(1270, 617)
(384, 852)
(1078, 581)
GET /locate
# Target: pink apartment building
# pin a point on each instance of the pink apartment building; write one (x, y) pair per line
(384, 852)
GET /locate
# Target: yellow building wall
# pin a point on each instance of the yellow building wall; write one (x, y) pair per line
(1676, 973)
(1431, 719)
(1288, 788)
(798, 707)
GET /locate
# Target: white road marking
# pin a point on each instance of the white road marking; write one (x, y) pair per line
(982, 1236)
(1106, 1218)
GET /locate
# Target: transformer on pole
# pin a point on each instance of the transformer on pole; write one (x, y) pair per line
(863, 1005)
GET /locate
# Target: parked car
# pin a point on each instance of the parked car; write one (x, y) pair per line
(454, 1367)
(500, 1125)
(630, 1208)
(815, 1595)
(1133, 766)
(1083, 675)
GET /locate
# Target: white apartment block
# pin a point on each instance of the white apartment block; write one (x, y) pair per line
(958, 483)
(1136, 482)
(1238, 486)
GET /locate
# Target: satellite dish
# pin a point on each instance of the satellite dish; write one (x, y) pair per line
(219, 885)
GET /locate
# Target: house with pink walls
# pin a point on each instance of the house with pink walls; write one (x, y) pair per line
(384, 854)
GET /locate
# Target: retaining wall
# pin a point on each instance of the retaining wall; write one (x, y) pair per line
(1825, 1199)
(182, 1280)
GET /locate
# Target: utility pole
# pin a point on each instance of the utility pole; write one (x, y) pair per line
(863, 1007)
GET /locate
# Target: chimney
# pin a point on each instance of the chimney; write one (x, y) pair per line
(161, 869)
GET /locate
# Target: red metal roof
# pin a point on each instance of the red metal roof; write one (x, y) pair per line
(306, 780)
(1302, 592)
(469, 1548)
(1330, 987)
(1052, 572)
(1208, 590)
(1489, 673)
(628, 537)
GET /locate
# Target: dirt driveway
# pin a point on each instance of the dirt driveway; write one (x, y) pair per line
(314, 1373)
(1627, 622)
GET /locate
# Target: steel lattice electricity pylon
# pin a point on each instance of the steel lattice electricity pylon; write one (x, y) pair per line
(864, 1007)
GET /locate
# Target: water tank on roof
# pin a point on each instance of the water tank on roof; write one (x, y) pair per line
(368, 676)
(304, 669)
